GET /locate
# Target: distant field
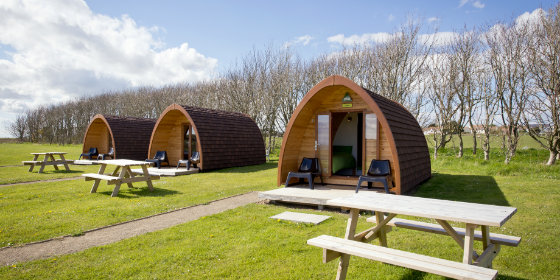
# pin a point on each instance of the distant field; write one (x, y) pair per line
(525, 142)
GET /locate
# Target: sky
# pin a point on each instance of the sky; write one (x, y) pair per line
(59, 50)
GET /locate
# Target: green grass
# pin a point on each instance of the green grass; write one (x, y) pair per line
(525, 142)
(12, 154)
(20, 174)
(15, 153)
(244, 243)
(44, 210)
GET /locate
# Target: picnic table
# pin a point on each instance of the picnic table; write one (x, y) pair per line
(387, 206)
(126, 176)
(47, 160)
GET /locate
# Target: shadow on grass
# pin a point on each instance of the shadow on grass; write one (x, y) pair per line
(507, 277)
(468, 188)
(140, 192)
(247, 169)
(413, 274)
(59, 171)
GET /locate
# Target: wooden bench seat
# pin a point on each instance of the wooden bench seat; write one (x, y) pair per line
(93, 176)
(335, 246)
(31, 162)
(114, 179)
(435, 228)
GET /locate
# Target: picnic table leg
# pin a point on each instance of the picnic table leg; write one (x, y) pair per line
(350, 232)
(118, 184)
(65, 163)
(128, 175)
(148, 178)
(33, 165)
(116, 171)
(54, 165)
(43, 164)
(469, 242)
(96, 182)
(379, 217)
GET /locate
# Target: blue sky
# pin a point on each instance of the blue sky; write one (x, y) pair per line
(60, 50)
(227, 30)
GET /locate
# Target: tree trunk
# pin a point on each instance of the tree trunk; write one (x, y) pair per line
(552, 157)
(474, 142)
(443, 142)
(460, 155)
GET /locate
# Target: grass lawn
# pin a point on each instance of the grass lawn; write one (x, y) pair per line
(12, 154)
(525, 142)
(244, 243)
(49, 209)
(15, 153)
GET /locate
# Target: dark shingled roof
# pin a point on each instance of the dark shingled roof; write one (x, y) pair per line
(131, 136)
(227, 139)
(410, 142)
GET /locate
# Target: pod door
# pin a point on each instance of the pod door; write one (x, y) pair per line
(347, 143)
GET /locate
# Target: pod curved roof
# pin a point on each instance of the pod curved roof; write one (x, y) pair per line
(130, 136)
(225, 139)
(411, 157)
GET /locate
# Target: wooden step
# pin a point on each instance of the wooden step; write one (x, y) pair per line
(495, 238)
(414, 261)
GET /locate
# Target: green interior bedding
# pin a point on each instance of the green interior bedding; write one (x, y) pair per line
(342, 158)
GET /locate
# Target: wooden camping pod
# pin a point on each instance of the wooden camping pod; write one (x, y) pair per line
(388, 132)
(129, 137)
(223, 139)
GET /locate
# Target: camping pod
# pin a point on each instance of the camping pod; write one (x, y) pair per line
(129, 137)
(222, 139)
(346, 127)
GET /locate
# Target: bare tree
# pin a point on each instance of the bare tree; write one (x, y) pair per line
(488, 105)
(543, 106)
(18, 127)
(508, 60)
(443, 98)
(465, 52)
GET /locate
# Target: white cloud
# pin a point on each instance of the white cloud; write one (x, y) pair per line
(303, 40)
(478, 5)
(391, 17)
(366, 38)
(530, 18)
(438, 39)
(60, 49)
(433, 19)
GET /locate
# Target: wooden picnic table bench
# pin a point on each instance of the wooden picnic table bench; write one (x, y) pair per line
(474, 266)
(47, 160)
(126, 176)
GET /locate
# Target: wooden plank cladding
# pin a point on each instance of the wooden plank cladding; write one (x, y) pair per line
(395, 135)
(129, 137)
(223, 139)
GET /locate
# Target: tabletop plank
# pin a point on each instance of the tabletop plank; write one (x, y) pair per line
(123, 162)
(473, 213)
(50, 153)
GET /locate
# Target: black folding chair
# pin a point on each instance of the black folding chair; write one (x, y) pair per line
(308, 169)
(194, 160)
(159, 158)
(111, 154)
(379, 171)
(91, 154)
